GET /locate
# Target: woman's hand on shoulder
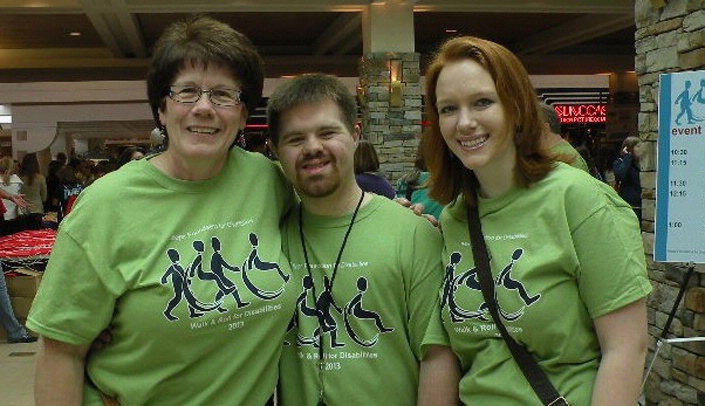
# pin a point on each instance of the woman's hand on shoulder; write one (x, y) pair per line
(417, 209)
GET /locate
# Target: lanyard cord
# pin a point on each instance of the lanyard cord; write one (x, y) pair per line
(329, 288)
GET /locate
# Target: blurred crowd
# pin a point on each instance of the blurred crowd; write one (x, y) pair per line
(50, 192)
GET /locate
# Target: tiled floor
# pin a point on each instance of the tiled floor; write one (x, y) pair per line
(17, 373)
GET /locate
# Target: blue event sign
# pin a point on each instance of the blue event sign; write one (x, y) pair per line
(680, 182)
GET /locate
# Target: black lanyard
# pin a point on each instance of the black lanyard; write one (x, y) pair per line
(329, 288)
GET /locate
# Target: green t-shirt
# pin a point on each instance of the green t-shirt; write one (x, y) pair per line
(563, 252)
(385, 293)
(564, 150)
(189, 274)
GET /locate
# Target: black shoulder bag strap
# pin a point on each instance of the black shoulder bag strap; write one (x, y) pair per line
(529, 367)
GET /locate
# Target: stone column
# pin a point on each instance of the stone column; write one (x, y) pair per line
(389, 93)
(670, 37)
(393, 130)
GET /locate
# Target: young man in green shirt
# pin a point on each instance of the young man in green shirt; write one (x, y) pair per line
(370, 269)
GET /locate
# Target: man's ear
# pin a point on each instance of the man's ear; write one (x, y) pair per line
(273, 148)
(244, 114)
(357, 132)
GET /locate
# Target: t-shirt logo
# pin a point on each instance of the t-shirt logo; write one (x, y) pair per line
(456, 283)
(183, 278)
(353, 312)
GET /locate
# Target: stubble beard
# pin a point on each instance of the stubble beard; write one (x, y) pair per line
(317, 186)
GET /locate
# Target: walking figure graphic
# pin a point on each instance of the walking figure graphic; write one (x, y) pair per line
(685, 104)
(225, 285)
(327, 323)
(181, 282)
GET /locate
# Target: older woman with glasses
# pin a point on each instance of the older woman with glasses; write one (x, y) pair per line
(179, 252)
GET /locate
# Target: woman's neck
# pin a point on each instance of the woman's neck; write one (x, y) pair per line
(187, 170)
(495, 180)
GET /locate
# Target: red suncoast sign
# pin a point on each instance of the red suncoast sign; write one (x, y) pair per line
(581, 113)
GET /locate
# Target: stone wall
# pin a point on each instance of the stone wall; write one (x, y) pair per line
(394, 131)
(669, 38)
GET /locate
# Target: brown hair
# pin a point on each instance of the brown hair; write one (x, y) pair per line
(630, 143)
(366, 159)
(29, 168)
(448, 177)
(198, 42)
(308, 89)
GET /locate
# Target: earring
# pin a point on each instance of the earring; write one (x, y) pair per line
(157, 136)
(240, 139)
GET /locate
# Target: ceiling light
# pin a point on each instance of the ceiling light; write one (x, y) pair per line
(74, 34)
(451, 31)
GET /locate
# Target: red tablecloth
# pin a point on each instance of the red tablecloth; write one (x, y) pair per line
(27, 248)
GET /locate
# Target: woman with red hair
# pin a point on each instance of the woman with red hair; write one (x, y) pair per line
(567, 277)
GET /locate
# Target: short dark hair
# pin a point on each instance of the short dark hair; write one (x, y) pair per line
(61, 157)
(307, 89)
(551, 118)
(200, 41)
(366, 159)
(126, 155)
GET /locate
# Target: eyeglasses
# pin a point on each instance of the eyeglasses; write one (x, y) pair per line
(221, 97)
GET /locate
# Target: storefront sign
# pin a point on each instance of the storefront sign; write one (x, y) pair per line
(680, 182)
(581, 113)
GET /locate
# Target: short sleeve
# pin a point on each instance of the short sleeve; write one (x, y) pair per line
(612, 271)
(424, 284)
(73, 304)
